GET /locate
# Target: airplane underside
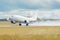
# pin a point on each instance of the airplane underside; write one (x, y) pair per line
(20, 22)
(25, 23)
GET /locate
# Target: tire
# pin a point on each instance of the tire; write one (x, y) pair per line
(27, 24)
(20, 24)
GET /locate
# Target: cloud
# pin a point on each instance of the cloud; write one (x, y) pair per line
(46, 14)
(29, 4)
(58, 1)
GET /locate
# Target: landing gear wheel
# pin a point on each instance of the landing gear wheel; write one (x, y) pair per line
(27, 24)
(20, 24)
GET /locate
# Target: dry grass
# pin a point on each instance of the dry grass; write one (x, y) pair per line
(14, 32)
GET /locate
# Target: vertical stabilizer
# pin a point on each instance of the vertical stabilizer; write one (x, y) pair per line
(34, 16)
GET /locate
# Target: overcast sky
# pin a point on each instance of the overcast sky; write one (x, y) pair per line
(6, 5)
(26, 6)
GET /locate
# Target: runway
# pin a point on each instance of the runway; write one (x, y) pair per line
(38, 23)
(46, 23)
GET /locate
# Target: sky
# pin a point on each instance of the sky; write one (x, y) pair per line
(43, 7)
(7, 5)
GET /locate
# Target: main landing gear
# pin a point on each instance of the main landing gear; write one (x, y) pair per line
(21, 24)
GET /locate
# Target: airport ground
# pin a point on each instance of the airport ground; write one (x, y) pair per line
(10, 31)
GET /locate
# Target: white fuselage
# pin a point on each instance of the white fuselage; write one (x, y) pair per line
(21, 18)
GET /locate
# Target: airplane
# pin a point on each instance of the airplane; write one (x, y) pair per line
(21, 19)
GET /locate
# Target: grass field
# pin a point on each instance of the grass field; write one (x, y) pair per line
(15, 32)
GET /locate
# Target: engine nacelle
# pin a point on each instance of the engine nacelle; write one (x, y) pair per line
(13, 22)
(26, 21)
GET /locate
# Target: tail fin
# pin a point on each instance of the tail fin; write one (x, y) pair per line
(34, 16)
